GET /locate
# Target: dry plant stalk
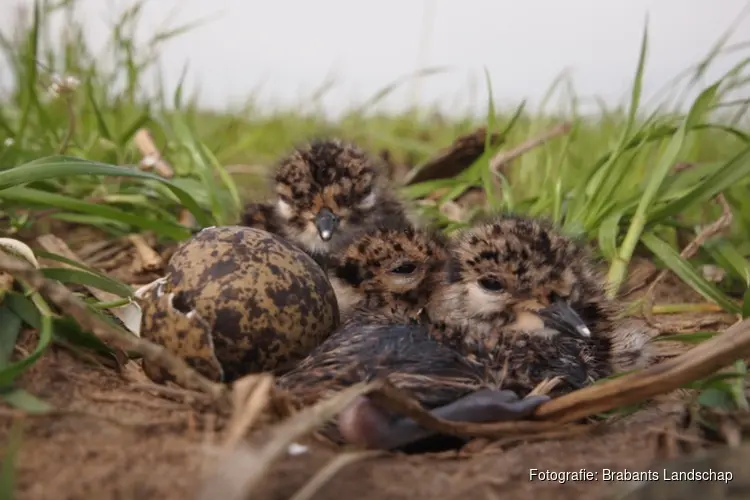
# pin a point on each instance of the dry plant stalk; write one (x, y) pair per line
(502, 158)
(152, 158)
(240, 469)
(545, 386)
(149, 259)
(398, 402)
(250, 397)
(78, 310)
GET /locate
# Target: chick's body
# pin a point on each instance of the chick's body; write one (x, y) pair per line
(325, 193)
(364, 349)
(383, 280)
(238, 300)
(527, 302)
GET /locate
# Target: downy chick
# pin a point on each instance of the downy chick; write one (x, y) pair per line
(326, 191)
(384, 278)
(528, 302)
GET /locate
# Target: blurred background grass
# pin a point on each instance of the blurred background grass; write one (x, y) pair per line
(610, 178)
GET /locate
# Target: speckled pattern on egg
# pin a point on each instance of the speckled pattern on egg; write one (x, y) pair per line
(188, 335)
(265, 302)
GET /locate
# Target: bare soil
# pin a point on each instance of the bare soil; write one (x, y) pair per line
(116, 435)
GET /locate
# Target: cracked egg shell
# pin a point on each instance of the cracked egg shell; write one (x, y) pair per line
(237, 300)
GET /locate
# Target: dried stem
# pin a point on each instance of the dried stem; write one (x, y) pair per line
(240, 470)
(149, 259)
(78, 310)
(152, 158)
(502, 158)
(251, 395)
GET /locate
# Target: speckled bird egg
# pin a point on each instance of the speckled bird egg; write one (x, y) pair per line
(237, 300)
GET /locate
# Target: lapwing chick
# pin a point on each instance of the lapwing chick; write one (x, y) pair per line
(325, 192)
(528, 302)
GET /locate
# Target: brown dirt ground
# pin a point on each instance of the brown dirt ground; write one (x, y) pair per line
(117, 436)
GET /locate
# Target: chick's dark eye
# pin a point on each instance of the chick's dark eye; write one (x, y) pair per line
(491, 284)
(407, 268)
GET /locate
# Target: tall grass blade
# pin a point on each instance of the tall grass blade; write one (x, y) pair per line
(656, 179)
(686, 272)
(10, 456)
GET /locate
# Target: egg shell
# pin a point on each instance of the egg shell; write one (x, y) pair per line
(238, 300)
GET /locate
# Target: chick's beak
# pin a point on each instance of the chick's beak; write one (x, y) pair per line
(563, 318)
(326, 222)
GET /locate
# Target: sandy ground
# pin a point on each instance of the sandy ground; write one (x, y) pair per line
(113, 438)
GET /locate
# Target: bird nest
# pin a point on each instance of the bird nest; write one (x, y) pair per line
(115, 434)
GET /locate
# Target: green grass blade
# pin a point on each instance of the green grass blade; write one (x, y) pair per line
(391, 87)
(31, 74)
(690, 338)
(30, 196)
(667, 161)
(23, 400)
(189, 143)
(635, 101)
(225, 178)
(686, 272)
(664, 165)
(63, 327)
(482, 164)
(78, 265)
(589, 187)
(719, 397)
(101, 122)
(66, 167)
(130, 130)
(13, 370)
(10, 457)
(726, 176)
(607, 236)
(10, 328)
(730, 258)
(80, 277)
(422, 189)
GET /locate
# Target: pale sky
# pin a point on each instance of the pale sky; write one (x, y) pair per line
(288, 48)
